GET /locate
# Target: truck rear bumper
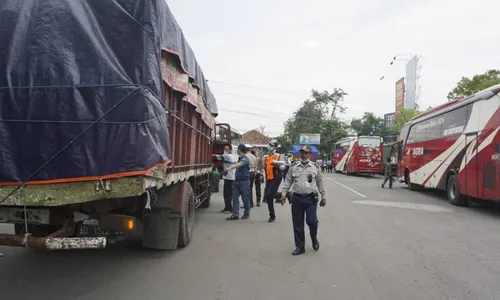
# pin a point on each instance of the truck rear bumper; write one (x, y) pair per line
(53, 243)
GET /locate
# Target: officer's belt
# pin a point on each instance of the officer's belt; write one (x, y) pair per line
(242, 179)
(304, 195)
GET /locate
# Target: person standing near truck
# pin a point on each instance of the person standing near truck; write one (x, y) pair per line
(241, 184)
(228, 158)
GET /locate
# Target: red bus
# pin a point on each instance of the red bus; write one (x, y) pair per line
(455, 148)
(358, 154)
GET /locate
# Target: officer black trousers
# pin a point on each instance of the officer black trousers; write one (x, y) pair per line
(252, 180)
(228, 195)
(270, 192)
(304, 206)
(258, 190)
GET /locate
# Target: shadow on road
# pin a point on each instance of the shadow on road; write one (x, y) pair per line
(488, 208)
(25, 273)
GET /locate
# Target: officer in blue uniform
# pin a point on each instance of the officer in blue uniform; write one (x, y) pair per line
(306, 183)
(241, 184)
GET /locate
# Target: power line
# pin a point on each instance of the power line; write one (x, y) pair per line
(255, 87)
(267, 116)
(259, 111)
(250, 97)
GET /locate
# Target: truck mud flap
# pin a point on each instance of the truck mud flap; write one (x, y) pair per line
(160, 229)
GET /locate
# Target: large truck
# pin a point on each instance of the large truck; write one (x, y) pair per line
(106, 123)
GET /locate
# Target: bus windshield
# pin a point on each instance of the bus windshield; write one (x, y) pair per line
(236, 138)
(369, 142)
(404, 133)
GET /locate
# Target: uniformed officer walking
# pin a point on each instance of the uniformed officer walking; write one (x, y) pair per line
(305, 180)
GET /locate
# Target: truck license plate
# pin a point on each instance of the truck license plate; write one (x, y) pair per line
(96, 231)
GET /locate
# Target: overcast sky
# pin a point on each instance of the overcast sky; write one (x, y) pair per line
(294, 46)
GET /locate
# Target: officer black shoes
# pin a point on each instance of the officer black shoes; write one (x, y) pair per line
(315, 244)
(298, 251)
(271, 219)
(234, 218)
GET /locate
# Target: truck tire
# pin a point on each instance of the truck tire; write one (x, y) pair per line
(186, 224)
(215, 181)
(215, 187)
(453, 192)
(206, 203)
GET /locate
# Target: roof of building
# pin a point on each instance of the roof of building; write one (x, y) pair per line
(254, 137)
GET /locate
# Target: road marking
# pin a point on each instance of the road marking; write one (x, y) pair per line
(344, 186)
(406, 205)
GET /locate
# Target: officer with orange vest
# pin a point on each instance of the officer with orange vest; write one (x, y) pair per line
(273, 168)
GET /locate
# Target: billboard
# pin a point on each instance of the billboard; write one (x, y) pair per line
(310, 139)
(411, 83)
(400, 95)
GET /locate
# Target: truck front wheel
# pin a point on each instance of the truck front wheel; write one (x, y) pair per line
(186, 224)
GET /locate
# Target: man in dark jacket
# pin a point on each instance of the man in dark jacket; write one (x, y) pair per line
(388, 173)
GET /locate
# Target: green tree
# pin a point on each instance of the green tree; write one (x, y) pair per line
(284, 141)
(467, 87)
(319, 114)
(402, 116)
(370, 124)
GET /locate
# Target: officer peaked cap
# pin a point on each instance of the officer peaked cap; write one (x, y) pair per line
(305, 149)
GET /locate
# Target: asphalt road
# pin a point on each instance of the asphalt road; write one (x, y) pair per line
(375, 244)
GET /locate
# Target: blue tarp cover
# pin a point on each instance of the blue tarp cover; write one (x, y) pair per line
(81, 87)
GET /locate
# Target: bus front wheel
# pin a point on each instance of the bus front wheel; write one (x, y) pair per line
(453, 192)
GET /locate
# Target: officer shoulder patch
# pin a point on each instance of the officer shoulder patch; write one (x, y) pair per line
(293, 165)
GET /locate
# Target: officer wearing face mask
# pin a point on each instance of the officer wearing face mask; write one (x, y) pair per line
(305, 180)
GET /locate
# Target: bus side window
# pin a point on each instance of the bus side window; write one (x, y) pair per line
(497, 148)
(221, 134)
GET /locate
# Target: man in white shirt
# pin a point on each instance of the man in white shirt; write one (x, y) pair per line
(228, 158)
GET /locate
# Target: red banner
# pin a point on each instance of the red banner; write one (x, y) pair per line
(400, 95)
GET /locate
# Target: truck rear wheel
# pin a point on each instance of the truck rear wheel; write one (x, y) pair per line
(453, 192)
(206, 203)
(186, 224)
